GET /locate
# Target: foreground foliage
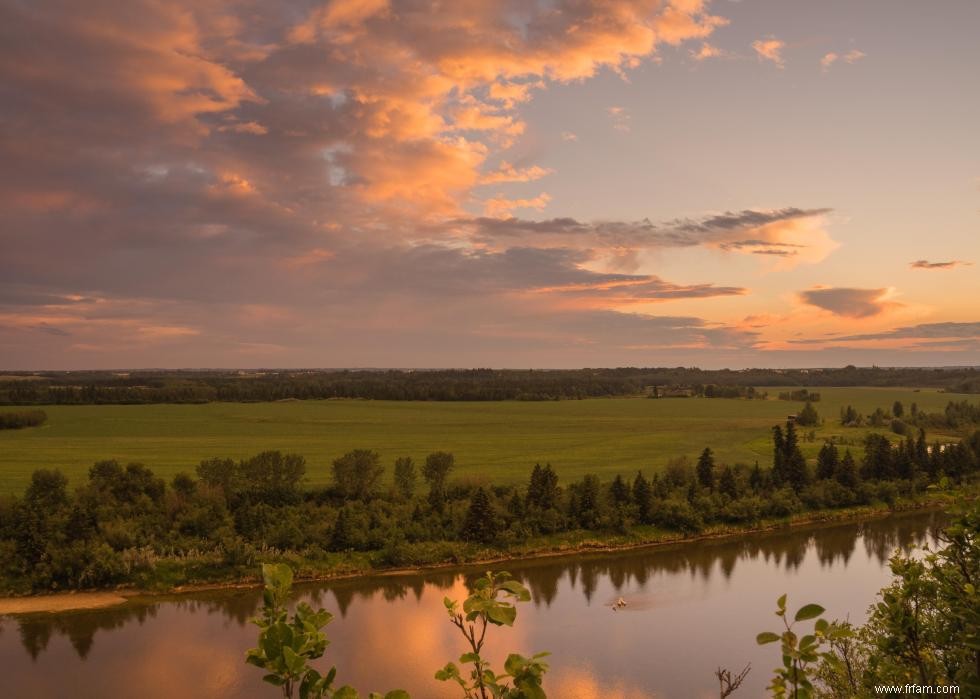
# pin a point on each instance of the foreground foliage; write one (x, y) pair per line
(287, 644)
(493, 604)
(925, 630)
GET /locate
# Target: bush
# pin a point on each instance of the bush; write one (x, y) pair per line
(678, 514)
(827, 494)
(741, 510)
(24, 418)
(784, 503)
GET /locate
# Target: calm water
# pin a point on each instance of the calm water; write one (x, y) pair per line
(690, 608)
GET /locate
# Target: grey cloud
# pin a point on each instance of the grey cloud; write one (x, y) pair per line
(51, 330)
(747, 218)
(924, 331)
(713, 229)
(925, 264)
(852, 303)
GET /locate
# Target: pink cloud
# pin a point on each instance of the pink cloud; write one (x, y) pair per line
(770, 49)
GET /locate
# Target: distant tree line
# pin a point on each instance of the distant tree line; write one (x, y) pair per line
(801, 394)
(124, 524)
(187, 386)
(23, 418)
(956, 416)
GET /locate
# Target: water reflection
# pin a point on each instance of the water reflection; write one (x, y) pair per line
(679, 599)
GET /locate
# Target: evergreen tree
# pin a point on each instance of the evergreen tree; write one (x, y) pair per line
(706, 469)
(827, 461)
(921, 458)
(756, 479)
(542, 492)
(935, 461)
(897, 409)
(794, 464)
(727, 484)
(515, 506)
(847, 474)
(342, 538)
(588, 507)
(405, 477)
(879, 460)
(808, 416)
(778, 456)
(480, 523)
(619, 491)
(904, 460)
(643, 498)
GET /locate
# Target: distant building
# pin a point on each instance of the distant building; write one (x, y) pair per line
(672, 392)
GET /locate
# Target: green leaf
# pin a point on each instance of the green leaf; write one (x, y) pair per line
(781, 602)
(514, 663)
(809, 611)
(766, 637)
(346, 692)
(469, 658)
(295, 663)
(450, 672)
(502, 615)
(397, 694)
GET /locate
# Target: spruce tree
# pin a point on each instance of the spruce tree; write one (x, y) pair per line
(727, 484)
(542, 492)
(643, 498)
(342, 538)
(794, 464)
(619, 491)
(480, 523)
(808, 416)
(921, 451)
(847, 474)
(706, 470)
(778, 456)
(827, 461)
(589, 508)
(756, 479)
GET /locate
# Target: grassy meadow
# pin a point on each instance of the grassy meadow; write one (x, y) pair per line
(497, 442)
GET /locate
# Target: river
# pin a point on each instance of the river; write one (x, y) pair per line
(690, 608)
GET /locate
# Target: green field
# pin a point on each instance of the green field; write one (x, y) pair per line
(493, 441)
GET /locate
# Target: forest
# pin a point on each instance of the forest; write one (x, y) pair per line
(126, 525)
(200, 386)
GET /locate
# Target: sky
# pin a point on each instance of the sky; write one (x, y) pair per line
(492, 183)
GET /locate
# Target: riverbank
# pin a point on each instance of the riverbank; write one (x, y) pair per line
(201, 576)
(61, 602)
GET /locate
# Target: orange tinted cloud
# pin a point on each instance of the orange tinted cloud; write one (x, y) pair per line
(467, 67)
(770, 49)
(508, 173)
(502, 207)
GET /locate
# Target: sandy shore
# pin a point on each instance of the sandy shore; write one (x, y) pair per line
(59, 603)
